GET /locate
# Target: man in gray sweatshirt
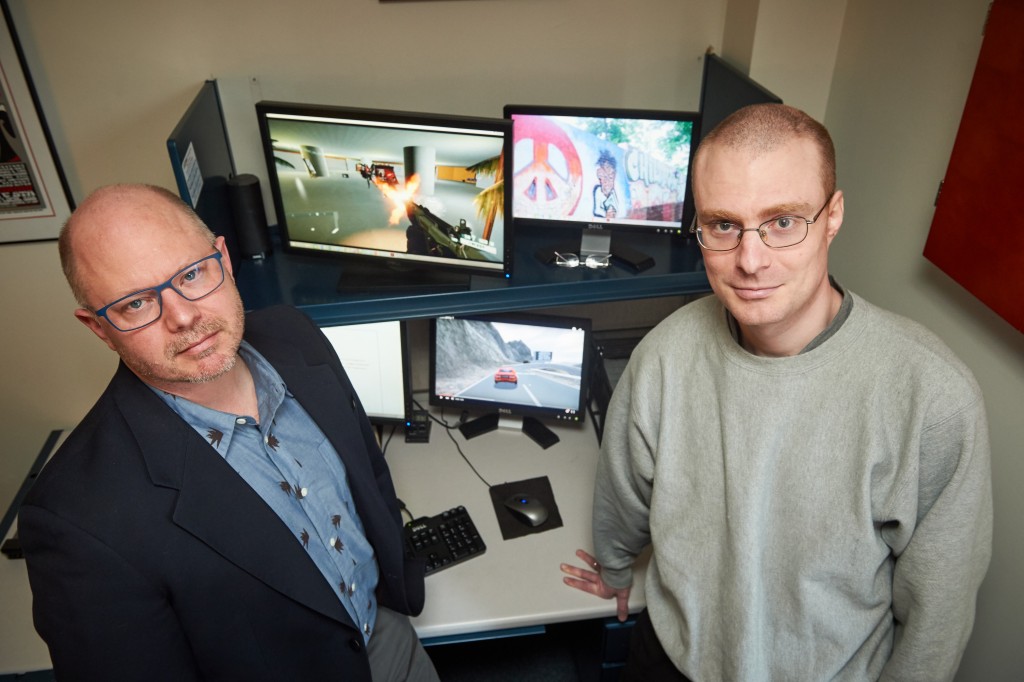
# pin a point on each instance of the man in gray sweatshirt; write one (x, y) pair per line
(811, 472)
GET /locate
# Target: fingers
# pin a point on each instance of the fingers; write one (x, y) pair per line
(588, 559)
(585, 586)
(622, 604)
(576, 571)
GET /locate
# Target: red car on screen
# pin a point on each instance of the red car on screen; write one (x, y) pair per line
(505, 375)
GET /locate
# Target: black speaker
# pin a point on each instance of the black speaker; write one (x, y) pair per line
(250, 219)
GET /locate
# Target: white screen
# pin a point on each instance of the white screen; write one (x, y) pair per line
(371, 354)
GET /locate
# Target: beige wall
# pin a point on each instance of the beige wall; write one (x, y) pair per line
(889, 79)
(899, 88)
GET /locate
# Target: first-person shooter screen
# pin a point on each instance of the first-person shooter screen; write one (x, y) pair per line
(386, 188)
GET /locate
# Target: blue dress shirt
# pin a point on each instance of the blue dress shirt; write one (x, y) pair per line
(288, 461)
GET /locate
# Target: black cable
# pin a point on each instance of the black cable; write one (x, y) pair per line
(402, 507)
(384, 446)
(448, 430)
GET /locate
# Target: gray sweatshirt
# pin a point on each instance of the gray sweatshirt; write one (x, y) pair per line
(816, 517)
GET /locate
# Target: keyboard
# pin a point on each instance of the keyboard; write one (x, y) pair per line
(444, 540)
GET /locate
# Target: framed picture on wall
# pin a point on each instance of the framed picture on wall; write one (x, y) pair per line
(34, 198)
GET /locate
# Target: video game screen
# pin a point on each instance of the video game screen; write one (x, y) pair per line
(617, 167)
(415, 187)
(515, 365)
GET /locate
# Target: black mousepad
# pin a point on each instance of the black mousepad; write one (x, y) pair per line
(511, 526)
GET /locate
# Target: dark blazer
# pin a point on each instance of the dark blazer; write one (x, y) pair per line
(150, 558)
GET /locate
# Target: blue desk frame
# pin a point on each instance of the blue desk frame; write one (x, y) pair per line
(310, 282)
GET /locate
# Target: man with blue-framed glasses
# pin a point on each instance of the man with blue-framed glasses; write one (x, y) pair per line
(224, 511)
(810, 472)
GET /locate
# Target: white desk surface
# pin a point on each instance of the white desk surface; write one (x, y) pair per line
(515, 583)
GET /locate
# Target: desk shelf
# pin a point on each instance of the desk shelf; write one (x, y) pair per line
(310, 282)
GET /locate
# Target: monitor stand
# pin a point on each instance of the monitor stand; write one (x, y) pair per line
(598, 242)
(389, 277)
(531, 426)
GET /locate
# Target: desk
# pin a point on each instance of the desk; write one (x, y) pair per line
(515, 583)
(21, 648)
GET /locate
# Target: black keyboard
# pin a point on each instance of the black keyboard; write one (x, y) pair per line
(444, 540)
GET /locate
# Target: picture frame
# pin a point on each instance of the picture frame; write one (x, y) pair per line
(34, 197)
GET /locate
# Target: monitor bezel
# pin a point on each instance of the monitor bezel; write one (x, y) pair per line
(381, 257)
(484, 407)
(676, 231)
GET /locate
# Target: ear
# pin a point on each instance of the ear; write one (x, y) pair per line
(90, 320)
(835, 216)
(221, 246)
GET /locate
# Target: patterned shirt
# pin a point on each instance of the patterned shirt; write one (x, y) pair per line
(288, 461)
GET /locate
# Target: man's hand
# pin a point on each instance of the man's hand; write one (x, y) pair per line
(590, 581)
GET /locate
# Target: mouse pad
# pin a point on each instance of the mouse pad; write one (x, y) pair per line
(511, 526)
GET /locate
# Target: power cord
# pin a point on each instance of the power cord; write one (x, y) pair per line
(448, 430)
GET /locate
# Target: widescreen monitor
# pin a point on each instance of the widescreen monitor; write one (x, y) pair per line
(602, 170)
(408, 192)
(501, 366)
(375, 356)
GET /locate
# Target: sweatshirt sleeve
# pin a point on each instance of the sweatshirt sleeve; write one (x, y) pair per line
(942, 559)
(622, 491)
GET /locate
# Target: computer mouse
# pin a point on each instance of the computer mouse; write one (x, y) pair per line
(527, 509)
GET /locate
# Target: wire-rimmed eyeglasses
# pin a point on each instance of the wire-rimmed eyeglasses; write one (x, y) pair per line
(571, 260)
(778, 233)
(144, 307)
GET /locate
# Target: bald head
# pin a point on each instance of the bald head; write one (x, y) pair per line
(115, 216)
(759, 129)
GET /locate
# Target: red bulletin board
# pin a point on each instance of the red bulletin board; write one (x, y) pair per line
(977, 233)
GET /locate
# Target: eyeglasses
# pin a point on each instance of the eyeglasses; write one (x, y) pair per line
(777, 233)
(571, 260)
(145, 307)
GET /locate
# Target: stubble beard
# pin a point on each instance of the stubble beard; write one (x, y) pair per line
(168, 372)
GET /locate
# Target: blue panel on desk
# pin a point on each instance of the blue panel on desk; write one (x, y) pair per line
(201, 132)
(481, 636)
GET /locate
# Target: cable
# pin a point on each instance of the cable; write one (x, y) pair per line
(448, 430)
(402, 507)
(384, 446)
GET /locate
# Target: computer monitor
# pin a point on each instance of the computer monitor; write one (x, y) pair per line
(375, 356)
(725, 89)
(202, 162)
(603, 171)
(407, 195)
(510, 369)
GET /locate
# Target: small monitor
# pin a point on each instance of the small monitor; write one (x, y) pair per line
(503, 366)
(602, 170)
(404, 193)
(375, 356)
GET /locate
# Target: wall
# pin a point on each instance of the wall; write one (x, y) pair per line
(889, 78)
(795, 49)
(901, 79)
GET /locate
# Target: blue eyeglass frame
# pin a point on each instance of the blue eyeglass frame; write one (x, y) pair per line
(159, 289)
